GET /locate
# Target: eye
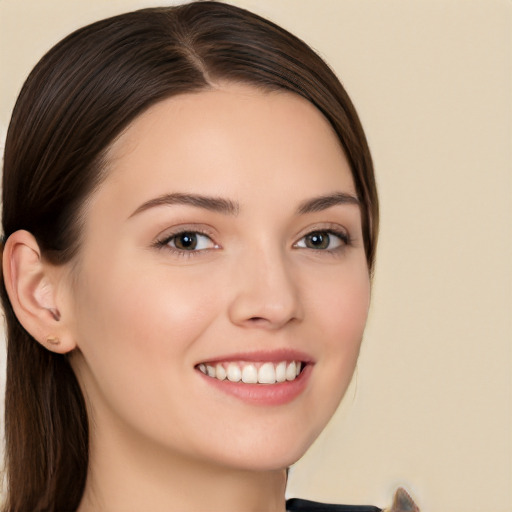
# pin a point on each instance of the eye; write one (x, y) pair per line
(323, 240)
(189, 241)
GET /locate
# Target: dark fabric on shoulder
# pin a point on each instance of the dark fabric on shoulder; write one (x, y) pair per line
(298, 505)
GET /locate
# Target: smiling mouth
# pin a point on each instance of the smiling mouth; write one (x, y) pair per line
(253, 372)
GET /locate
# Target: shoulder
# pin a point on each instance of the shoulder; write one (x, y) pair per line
(298, 505)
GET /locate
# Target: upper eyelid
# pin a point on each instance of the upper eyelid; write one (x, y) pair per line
(177, 234)
(323, 226)
(344, 236)
(186, 228)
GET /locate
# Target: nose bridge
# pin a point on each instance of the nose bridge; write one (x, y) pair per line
(266, 291)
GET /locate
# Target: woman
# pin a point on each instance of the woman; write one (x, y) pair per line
(190, 219)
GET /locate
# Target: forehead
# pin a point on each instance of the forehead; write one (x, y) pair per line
(232, 140)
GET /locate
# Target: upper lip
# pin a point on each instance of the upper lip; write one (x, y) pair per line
(271, 356)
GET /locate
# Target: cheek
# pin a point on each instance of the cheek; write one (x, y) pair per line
(136, 330)
(144, 309)
(340, 302)
(341, 309)
(348, 311)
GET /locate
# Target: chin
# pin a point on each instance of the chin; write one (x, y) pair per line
(266, 450)
(269, 461)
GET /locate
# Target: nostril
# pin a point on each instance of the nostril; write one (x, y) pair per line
(258, 320)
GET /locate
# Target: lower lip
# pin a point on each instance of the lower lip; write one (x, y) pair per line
(263, 394)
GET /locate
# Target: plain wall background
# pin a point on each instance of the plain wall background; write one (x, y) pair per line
(431, 404)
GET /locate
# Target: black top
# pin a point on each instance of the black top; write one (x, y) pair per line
(297, 505)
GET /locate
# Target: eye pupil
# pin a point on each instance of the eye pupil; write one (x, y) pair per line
(186, 241)
(317, 240)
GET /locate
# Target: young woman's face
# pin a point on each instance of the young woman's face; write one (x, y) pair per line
(225, 244)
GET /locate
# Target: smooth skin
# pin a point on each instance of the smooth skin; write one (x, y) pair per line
(143, 304)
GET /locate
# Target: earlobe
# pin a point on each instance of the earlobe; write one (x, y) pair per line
(32, 285)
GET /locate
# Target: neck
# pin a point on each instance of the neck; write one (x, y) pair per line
(132, 475)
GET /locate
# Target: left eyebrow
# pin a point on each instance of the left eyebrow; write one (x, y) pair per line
(317, 204)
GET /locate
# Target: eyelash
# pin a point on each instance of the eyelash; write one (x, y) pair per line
(164, 243)
(343, 237)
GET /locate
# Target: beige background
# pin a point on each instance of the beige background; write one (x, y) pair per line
(431, 405)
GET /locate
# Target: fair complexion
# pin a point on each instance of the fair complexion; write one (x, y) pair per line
(227, 232)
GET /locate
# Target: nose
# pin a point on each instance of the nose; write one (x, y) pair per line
(266, 292)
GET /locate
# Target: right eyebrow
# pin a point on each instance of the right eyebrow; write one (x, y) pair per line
(215, 204)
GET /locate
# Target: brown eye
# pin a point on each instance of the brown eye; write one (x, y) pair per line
(323, 241)
(185, 241)
(317, 240)
(189, 241)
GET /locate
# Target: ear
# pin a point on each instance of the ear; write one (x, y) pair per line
(33, 288)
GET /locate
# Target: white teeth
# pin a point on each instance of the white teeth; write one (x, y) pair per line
(267, 374)
(250, 373)
(281, 371)
(291, 371)
(220, 372)
(234, 373)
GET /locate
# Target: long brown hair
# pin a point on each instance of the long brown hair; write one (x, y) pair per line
(76, 101)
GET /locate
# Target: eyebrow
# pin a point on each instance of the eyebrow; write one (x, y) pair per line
(214, 204)
(228, 207)
(320, 203)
